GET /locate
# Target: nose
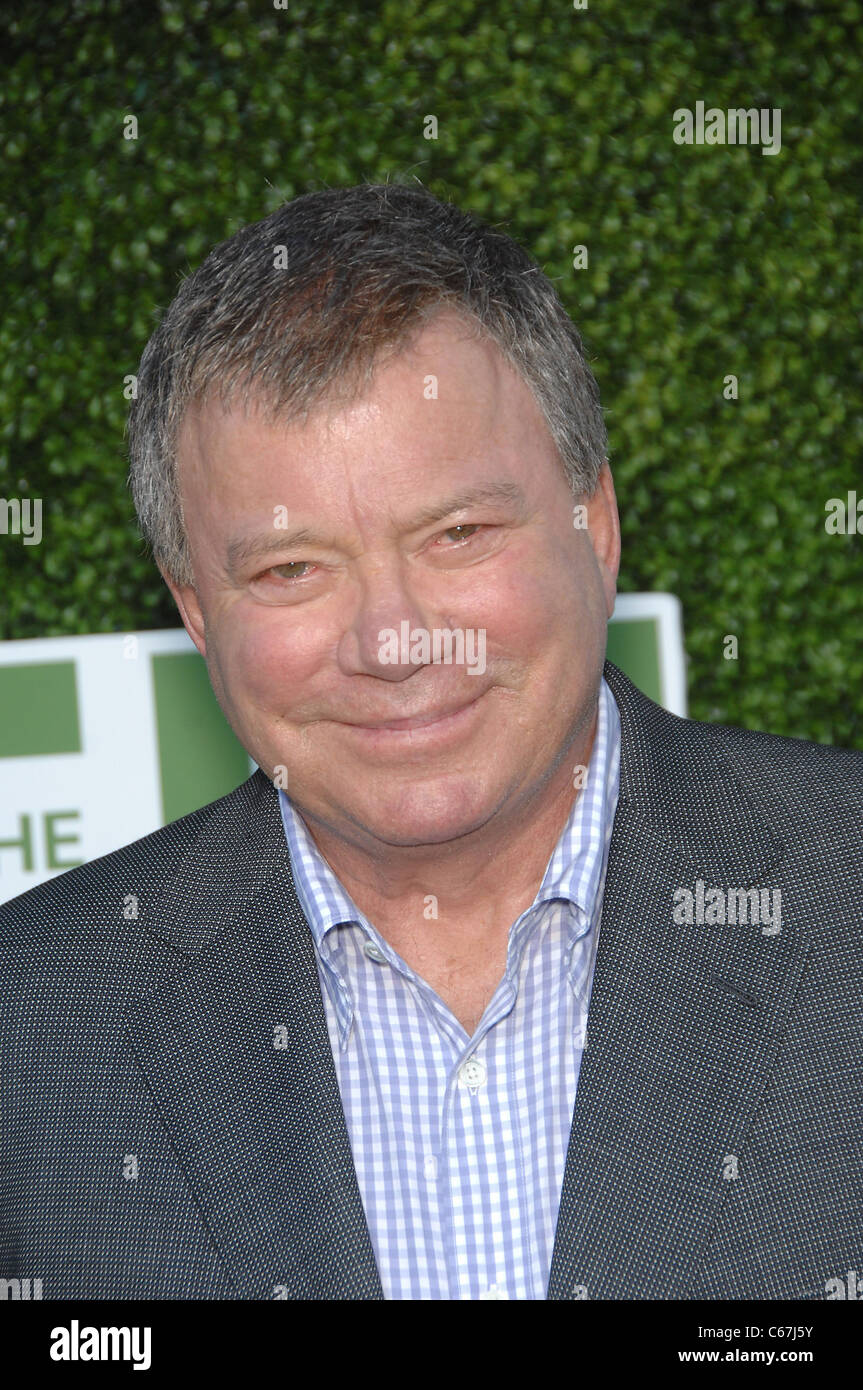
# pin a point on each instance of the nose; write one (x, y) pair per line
(376, 639)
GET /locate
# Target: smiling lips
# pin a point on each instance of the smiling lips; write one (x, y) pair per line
(417, 721)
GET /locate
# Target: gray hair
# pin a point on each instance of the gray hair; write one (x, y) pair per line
(304, 304)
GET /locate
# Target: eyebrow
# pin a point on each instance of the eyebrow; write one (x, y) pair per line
(241, 550)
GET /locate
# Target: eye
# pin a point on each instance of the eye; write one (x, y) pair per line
(283, 571)
(466, 526)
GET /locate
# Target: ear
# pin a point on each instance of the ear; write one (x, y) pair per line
(603, 528)
(186, 599)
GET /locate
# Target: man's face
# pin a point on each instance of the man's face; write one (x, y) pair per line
(291, 626)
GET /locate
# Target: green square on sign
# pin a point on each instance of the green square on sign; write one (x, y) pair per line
(633, 645)
(200, 759)
(39, 710)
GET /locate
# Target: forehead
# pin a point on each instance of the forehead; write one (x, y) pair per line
(443, 406)
(446, 343)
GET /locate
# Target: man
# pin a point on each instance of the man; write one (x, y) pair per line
(342, 1052)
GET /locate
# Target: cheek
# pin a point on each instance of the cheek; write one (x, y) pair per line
(263, 654)
(525, 600)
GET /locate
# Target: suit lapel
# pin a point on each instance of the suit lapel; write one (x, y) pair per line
(685, 1021)
(235, 1047)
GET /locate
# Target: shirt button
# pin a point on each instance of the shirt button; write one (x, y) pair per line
(374, 952)
(494, 1292)
(472, 1074)
(430, 1167)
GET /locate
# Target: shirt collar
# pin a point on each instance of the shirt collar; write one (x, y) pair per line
(575, 867)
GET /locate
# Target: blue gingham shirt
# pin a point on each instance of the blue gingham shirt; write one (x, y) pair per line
(459, 1143)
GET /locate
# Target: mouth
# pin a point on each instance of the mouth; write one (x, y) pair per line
(440, 723)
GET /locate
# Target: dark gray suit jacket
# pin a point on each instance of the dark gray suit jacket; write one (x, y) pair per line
(716, 1144)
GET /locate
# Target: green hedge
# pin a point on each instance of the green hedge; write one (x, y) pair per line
(704, 261)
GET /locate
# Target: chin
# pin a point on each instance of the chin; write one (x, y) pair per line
(428, 814)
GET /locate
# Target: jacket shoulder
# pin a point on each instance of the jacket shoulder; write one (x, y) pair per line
(811, 792)
(775, 757)
(96, 892)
